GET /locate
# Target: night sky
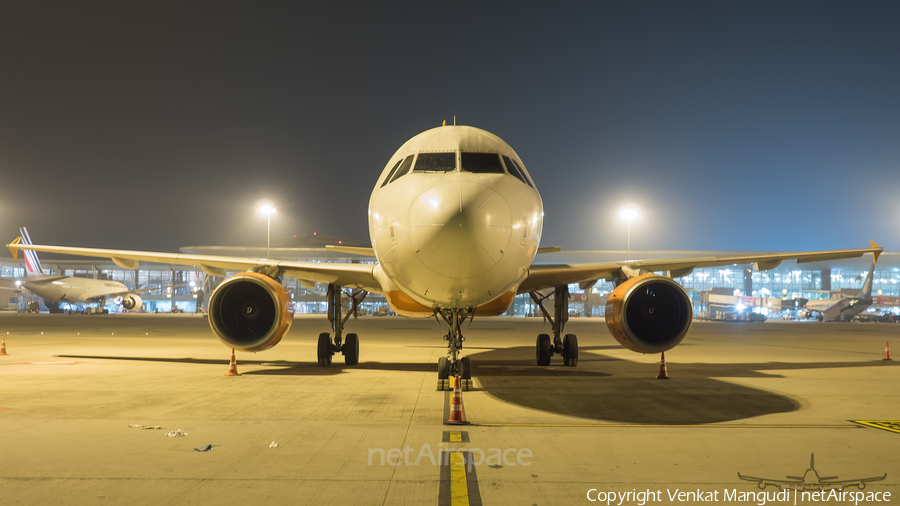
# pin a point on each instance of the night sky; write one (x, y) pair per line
(733, 125)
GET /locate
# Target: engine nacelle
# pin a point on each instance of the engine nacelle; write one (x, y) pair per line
(250, 312)
(649, 313)
(132, 302)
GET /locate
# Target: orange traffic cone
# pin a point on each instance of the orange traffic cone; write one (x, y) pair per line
(663, 372)
(3, 346)
(457, 414)
(887, 351)
(232, 367)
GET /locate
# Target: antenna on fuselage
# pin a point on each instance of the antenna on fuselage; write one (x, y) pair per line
(454, 120)
(445, 123)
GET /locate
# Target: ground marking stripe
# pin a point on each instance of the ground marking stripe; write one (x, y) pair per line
(459, 489)
(459, 481)
(888, 425)
(669, 426)
(461, 436)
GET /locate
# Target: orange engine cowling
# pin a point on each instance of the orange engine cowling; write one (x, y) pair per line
(649, 313)
(250, 312)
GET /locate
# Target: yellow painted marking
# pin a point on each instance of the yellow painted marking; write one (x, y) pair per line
(459, 488)
(672, 426)
(455, 437)
(888, 425)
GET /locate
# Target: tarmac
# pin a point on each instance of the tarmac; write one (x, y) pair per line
(751, 398)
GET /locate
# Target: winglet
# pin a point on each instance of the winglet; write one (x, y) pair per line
(876, 253)
(14, 251)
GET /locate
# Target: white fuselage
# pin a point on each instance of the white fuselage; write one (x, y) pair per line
(74, 290)
(454, 238)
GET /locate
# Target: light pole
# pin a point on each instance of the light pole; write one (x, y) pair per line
(629, 215)
(267, 210)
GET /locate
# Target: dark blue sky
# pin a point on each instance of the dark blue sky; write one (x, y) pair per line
(734, 125)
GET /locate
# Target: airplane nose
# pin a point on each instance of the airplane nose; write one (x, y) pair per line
(459, 229)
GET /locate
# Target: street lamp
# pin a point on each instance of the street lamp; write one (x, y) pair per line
(629, 215)
(267, 210)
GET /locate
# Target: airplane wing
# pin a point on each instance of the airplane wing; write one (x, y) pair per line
(547, 276)
(762, 480)
(852, 482)
(349, 275)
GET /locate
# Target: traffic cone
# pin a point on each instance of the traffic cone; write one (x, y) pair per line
(232, 367)
(887, 351)
(457, 414)
(663, 372)
(3, 346)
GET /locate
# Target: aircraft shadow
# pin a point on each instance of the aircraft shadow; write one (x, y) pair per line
(279, 367)
(630, 393)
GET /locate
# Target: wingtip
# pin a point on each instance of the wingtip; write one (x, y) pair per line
(875, 254)
(13, 249)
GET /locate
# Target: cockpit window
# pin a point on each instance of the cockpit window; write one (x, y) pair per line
(514, 169)
(481, 163)
(391, 173)
(436, 162)
(404, 167)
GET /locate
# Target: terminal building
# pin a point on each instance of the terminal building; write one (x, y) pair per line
(184, 288)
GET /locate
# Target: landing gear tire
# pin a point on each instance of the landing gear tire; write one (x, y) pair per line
(351, 350)
(542, 347)
(570, 350)
(465, 368)
(443, 368)
(324, 349)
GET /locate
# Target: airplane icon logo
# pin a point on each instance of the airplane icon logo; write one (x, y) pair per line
(811, 480)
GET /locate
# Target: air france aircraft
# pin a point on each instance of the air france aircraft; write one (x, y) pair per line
(72, 290)
(455, 222)
(840, 307)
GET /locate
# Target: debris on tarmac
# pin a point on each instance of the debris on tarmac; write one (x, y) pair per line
(176, 433)
(203, 448)
(139, 426)
(273, 444)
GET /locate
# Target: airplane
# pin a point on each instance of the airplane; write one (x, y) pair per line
(843, 308)
(455, 222)
(72, 290)
(811, 480)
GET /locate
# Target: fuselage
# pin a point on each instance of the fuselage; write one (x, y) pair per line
(455, 222)
(73, 289)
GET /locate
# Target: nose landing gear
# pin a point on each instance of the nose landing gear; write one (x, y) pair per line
(452, 365)
(567, 345)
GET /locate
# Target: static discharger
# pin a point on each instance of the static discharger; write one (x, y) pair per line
(232, 367)
(663, 371)
(887, 351)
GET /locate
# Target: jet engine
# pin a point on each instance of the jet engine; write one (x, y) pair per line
(649, 313)
(132, 302)
(250, 311)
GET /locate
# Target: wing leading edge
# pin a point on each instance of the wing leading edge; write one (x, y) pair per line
(349, 275)
(547, 276)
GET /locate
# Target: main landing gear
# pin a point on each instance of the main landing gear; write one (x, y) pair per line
(452, 364)
(348, 346)
(567, 345)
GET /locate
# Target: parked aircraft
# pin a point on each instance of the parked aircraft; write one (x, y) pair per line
(73, 290)
(841, 307)
(455, 222)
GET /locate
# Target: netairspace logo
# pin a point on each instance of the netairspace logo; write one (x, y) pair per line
(786, 496)
(492, 456)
